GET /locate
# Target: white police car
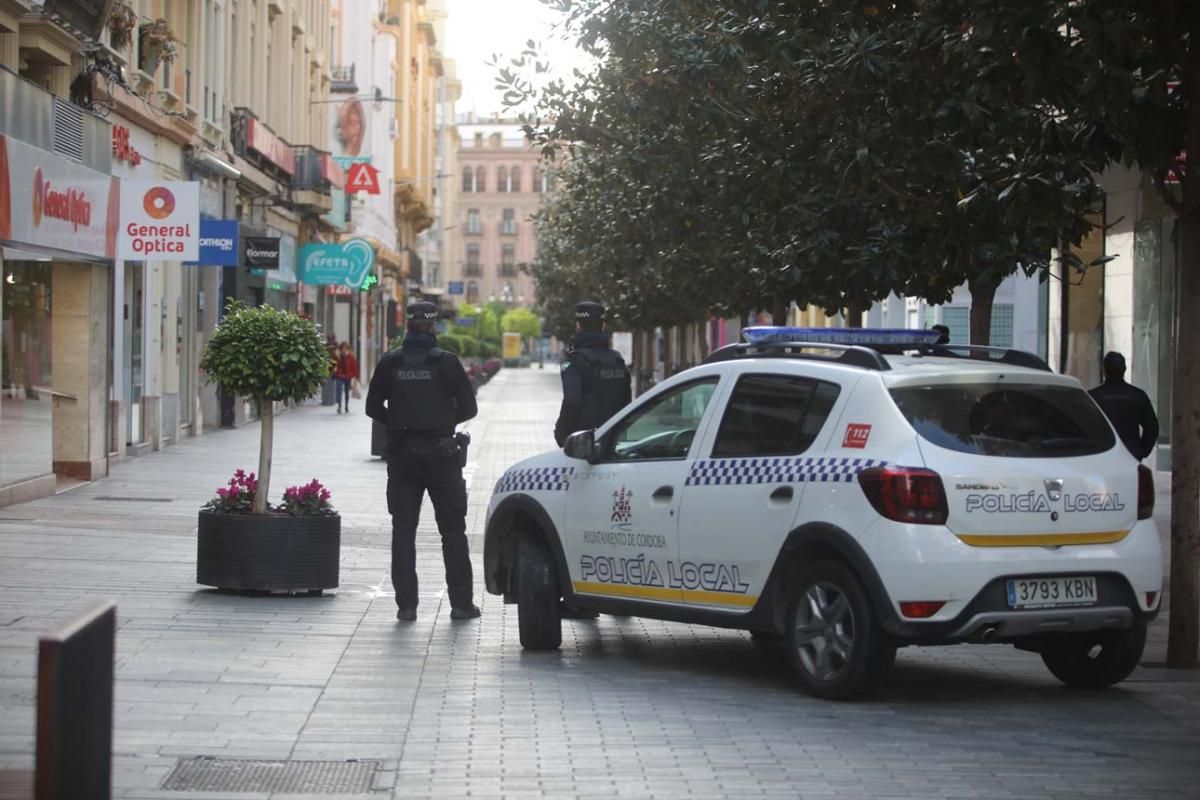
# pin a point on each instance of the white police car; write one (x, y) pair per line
(852, 499)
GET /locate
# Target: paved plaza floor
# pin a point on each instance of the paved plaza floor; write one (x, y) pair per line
(436, 708)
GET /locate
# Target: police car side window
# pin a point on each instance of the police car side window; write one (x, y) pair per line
(665, 428)
(774, 415)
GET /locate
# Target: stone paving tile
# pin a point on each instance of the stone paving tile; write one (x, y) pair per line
(627, 707)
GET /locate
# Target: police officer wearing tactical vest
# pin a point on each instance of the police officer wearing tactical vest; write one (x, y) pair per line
(594, 376)
(420, 393)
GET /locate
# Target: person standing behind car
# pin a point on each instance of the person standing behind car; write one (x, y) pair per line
(595, 379)
(1127, 407)
(420, 393)
(345, 372)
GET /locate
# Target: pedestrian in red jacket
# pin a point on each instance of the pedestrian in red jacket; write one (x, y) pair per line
(345, 372)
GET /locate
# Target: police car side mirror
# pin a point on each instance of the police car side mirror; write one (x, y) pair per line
(581, 445)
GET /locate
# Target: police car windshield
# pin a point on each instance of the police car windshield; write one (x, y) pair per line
(1001, 419)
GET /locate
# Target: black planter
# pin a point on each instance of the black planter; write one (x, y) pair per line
(268, 552)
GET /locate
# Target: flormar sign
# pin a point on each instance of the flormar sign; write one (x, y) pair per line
(160, 220)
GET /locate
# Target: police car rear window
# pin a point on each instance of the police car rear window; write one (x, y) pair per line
(1002, 419)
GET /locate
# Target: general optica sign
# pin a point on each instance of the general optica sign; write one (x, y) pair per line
(50, 202)
(346, 264)
(160, 220)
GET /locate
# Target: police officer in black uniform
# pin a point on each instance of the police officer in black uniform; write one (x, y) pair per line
(1127, 408)
(420, 393)
(594, 376)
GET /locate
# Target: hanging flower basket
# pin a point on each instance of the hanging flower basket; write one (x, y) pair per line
(122, 22)
(156, 43)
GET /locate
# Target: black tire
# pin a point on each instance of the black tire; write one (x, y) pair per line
(1098, 659)
(539, 616)
(836, 646)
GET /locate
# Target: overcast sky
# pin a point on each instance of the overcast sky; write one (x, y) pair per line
(476, 29)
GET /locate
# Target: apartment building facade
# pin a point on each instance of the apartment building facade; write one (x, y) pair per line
(501, 182)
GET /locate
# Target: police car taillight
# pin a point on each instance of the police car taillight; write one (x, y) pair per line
(906, 494)
(1145, 492)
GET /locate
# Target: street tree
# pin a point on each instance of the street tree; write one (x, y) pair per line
(522, 321)
(739, 155)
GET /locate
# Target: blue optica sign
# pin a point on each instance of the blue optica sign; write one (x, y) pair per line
(455, 287)
(345, 264)
(218, 243)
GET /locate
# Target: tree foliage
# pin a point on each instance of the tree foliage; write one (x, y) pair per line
(266, 354)
(522, 321)
(734, 155)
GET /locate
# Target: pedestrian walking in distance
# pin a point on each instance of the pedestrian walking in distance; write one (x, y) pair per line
(595, 379)
(420, 392)
(345, 373)
(1127, 408)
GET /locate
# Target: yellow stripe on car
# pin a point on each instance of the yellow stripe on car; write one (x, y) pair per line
(1040, 539)
(656, 593)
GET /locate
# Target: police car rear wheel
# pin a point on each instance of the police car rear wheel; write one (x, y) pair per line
(1096, 660)
(538, 612)
(835, 644)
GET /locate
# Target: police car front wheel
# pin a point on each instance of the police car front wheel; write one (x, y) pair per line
(835, 643)
(539, 615)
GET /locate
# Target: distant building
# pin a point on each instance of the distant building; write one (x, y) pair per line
(500, 185)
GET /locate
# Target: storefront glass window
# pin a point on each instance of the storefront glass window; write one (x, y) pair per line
(26, 404)
(1154, 322)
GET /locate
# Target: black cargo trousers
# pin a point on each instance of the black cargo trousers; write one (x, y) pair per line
(412, 471)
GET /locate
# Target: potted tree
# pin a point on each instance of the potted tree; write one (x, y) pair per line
(243, 542)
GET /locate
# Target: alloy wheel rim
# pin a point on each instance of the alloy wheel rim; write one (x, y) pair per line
(824, 631)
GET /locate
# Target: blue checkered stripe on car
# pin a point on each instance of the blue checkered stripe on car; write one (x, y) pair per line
(536, 479)
(738, 471)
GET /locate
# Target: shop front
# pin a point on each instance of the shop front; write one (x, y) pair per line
(58, 226)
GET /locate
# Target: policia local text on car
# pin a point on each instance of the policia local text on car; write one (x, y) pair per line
(420, 393)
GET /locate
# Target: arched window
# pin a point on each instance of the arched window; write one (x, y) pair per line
(468, 180)
(502, 179)
(480, 180)
(515, 179)
(538, 180)
(472, 292)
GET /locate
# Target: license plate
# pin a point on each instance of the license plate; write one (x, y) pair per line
(1051, 592)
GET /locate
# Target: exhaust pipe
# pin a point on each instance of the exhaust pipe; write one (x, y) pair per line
(988, 634)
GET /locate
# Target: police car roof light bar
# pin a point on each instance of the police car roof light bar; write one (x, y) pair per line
(849, 355)
(892, 341)
(874, 338)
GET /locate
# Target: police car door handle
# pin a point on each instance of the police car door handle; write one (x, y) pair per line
(782, 493)
(664, 493)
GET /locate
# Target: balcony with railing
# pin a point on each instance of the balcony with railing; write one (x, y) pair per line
(316, 176)
(342, 79)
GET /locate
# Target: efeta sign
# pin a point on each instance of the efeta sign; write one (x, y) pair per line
(346, 264)
(160, 220)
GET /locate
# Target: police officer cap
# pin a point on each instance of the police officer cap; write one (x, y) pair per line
(589, 309)
(422, 310)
